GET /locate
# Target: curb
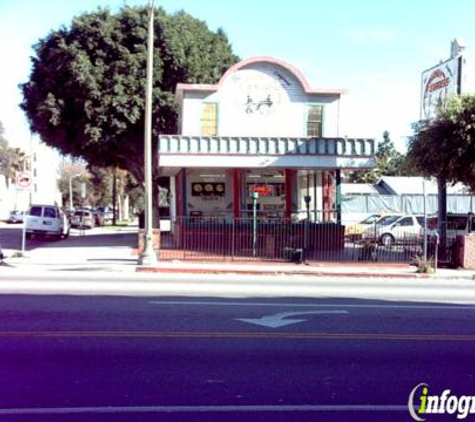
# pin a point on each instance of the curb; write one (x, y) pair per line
(268, 272)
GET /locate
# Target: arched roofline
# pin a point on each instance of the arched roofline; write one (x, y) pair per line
(260, 59)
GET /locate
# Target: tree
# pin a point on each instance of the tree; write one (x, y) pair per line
(445, 147)
(85, 95)
(12, 160)
(389, 162)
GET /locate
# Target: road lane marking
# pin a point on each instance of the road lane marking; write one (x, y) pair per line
(278, 320)
(235, 335)
(310, 305)
(203, 409)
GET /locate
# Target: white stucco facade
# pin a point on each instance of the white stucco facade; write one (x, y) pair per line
(260, 98)
(264, 129)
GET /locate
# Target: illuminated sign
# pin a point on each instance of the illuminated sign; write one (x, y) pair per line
(266, 189)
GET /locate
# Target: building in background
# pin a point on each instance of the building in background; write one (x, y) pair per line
(41, 166)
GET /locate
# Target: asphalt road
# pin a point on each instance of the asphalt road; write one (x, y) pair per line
(119, 358)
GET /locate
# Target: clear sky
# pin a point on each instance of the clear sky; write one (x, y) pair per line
(376, 50)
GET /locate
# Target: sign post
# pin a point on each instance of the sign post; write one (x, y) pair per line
(255, 196)
(23, 181)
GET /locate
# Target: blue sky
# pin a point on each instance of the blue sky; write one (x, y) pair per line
(376, 50)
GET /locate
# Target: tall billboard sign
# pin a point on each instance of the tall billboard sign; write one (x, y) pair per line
(439, 83)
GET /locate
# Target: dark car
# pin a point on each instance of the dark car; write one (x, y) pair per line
(98, 217)
(16, 217)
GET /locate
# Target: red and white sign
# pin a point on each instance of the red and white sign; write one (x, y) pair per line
(439, 83)
(24, 180)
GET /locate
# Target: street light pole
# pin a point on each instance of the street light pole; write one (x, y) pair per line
(148, 257)
(71, 190)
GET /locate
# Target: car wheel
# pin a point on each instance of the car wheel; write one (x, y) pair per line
(387, 239)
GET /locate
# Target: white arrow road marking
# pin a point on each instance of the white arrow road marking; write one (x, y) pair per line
(277, 320)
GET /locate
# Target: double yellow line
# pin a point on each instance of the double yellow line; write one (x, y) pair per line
(237, 335)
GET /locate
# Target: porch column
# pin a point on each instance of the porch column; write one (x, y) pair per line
(181, 193)
(289, 182)
(328, 195)
(338, 197)
(237, 193)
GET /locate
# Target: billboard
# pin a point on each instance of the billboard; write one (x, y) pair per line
(439, 83)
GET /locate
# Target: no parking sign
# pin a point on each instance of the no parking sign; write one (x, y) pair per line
(23, 180)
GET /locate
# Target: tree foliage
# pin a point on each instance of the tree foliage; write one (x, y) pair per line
(445, 147)
(389, 162)
(85, 95)
(11, 159)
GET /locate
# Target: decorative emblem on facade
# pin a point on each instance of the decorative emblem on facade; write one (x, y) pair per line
(262, 106)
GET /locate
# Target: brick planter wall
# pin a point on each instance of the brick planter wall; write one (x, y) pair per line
(465, 252)
(155, 239)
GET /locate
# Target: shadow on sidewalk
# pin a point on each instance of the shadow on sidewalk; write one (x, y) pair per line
(10, 238)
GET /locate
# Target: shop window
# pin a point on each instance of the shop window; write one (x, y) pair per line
(314, 120)
(209, 119)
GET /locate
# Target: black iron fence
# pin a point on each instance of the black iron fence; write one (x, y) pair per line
(281, 240)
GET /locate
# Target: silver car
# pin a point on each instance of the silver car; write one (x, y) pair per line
(396, 229)
(83, 219)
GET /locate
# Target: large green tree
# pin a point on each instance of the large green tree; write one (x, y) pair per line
(86, 92)
(445, 147)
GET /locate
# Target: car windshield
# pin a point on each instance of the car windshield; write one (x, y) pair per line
(371, 219)
(388, 220)
(81, 214)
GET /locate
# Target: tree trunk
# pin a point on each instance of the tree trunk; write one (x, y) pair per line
(442, 217)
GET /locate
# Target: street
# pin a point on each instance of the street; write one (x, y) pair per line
(154, 358)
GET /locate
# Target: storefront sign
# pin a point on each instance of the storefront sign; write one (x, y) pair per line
(439, 83)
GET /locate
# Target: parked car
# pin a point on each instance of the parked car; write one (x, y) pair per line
(106, 213)
(354, 232)
(456, 224)
(98, 217)
(16, 217)
(46, 220)
(83, 219)
(396, 229)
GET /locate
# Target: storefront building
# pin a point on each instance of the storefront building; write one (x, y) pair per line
(261, 140)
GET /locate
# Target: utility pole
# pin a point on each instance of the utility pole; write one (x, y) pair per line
(148, 256)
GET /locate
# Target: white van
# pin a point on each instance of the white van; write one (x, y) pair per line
(46, 220)
(456, 224)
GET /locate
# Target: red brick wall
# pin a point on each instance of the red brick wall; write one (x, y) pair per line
(464, 253)
(468, 259)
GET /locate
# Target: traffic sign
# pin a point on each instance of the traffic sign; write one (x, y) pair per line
(24, 180)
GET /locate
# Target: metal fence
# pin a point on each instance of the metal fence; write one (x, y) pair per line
(220, 239)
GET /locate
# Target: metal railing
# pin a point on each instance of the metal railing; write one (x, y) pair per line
(242, 239)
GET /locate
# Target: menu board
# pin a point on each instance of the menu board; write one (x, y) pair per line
(208, 189)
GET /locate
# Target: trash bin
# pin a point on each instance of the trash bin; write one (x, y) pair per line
(297, 256)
